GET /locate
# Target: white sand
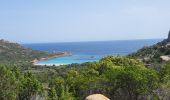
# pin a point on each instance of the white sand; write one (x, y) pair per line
(37, 64)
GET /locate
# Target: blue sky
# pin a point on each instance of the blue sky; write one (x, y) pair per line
(35, 21)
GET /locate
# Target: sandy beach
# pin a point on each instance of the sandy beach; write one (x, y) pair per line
(35, 62)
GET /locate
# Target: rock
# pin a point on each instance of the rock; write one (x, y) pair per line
(165, 58)
(168, 37)
(96, 97)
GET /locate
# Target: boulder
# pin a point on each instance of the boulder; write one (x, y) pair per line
(165, 58)
(96, 97)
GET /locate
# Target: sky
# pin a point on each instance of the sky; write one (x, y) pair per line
(36, 21)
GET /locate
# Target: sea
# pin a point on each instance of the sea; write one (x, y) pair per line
(89, 51)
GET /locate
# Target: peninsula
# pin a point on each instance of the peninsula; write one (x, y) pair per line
(14, 53)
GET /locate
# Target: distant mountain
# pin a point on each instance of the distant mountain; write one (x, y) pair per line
(14, 53)
(155, 53)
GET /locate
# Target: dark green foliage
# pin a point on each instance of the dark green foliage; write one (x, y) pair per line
(30, 87)
(116, 77)
(52, 94)
(9, 84)
(165, 72)
(119, 78)
(17, 85)
(164, 89)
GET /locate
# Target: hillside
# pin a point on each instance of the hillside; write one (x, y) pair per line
(155, 53)
(116, 77)
(14, 53)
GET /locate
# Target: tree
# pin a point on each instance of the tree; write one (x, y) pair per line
(115, 77)
(17, 85)
(9, 85)
(138, 81)
(52, 95)
(31, 87)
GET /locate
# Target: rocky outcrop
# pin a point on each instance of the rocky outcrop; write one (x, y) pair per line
(168, 40)
(165, 41)
(155, 53)
(165, 58)
(96, 97)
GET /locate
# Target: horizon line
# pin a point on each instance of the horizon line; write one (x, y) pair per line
(90, 41)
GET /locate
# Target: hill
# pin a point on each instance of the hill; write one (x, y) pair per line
(14, 53)
(118, 78)
(155, 53)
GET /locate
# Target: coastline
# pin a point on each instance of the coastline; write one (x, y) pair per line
(62, 54)
(36, 64)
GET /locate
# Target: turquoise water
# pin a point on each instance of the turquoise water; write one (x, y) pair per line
(90, 51)
(69, 60)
